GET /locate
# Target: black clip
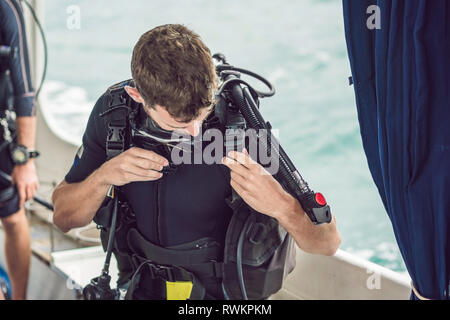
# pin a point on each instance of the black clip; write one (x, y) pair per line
(257, 232)
(162, 272)
(116, 139)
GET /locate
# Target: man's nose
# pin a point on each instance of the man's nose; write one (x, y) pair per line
(194, 128)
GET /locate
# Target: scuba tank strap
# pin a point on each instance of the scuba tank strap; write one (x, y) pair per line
(115, 141)
(117, 120)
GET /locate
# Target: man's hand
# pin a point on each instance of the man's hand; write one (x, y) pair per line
(264, 194)
(25, 178)
(133, 165)
(256, 186)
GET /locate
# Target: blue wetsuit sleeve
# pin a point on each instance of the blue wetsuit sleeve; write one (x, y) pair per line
(12, 28)
(92, 154)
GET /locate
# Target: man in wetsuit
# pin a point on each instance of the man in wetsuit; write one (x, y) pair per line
(175, 81)
(23, 176)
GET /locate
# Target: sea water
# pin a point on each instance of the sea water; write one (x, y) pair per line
(298, 45)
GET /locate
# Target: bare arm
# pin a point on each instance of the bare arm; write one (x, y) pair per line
(264, 194)
(24, 176)
(26, 131)
(320, 239)
(75, 204)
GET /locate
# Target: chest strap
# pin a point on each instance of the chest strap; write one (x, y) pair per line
(116, 117)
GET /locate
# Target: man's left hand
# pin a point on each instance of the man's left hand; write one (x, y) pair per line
(256, 186)
(25, 178)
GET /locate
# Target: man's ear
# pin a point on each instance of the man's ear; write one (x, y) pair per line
(134, 94)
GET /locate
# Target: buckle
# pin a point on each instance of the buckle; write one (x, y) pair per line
(116, 133)
(162, 272)
(117, 97)
(116, 138)
(257, 232)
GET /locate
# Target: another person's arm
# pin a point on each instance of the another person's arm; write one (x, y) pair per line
(24, 176)
(13, 35)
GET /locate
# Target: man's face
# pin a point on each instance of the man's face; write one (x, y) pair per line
(163, 119)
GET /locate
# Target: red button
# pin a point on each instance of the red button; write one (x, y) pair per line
(320, 199)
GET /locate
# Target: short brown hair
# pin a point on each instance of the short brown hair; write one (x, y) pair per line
(173, 68)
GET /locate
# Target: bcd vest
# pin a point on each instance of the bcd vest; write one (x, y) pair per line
(255, 256)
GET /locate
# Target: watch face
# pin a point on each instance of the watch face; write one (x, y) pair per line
(19, 155)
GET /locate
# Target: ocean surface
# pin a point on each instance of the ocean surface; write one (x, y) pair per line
(298, 45)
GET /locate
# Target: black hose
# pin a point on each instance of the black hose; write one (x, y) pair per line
(112, 233)
(254, 119)
(226, 67)
(239, 258)
(43, 203)
(287, 168)
(44, 42)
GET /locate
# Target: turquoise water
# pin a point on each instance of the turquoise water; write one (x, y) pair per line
(298, 45)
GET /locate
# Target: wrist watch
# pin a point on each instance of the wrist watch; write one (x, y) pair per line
(21, 154)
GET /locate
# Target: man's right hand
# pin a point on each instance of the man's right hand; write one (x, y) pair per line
(133, 165)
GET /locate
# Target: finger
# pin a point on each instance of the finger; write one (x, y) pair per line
(235, 166)
(241, 191)
(151, 155)
(240, 180)
(148, 164)
(29, 190)
(143, 172)
(22, 194)
(131, 177)
(243, 159)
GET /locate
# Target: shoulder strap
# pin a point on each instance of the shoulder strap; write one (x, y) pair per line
(117, 120)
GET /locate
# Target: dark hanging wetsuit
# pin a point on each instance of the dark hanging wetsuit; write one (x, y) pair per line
(12, 34)
(181, 207)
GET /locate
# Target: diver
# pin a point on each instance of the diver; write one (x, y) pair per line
(18, 122)
(179, 210)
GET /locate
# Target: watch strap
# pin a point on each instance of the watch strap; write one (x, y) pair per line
(33, 153)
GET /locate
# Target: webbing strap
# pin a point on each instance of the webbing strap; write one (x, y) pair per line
(116, 121)
(194, 256)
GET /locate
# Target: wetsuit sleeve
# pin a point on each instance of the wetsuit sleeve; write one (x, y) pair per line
(92, 154)
(12, 28)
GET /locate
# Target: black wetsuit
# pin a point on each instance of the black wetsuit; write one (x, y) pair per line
(12, 34)
(181, 207)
